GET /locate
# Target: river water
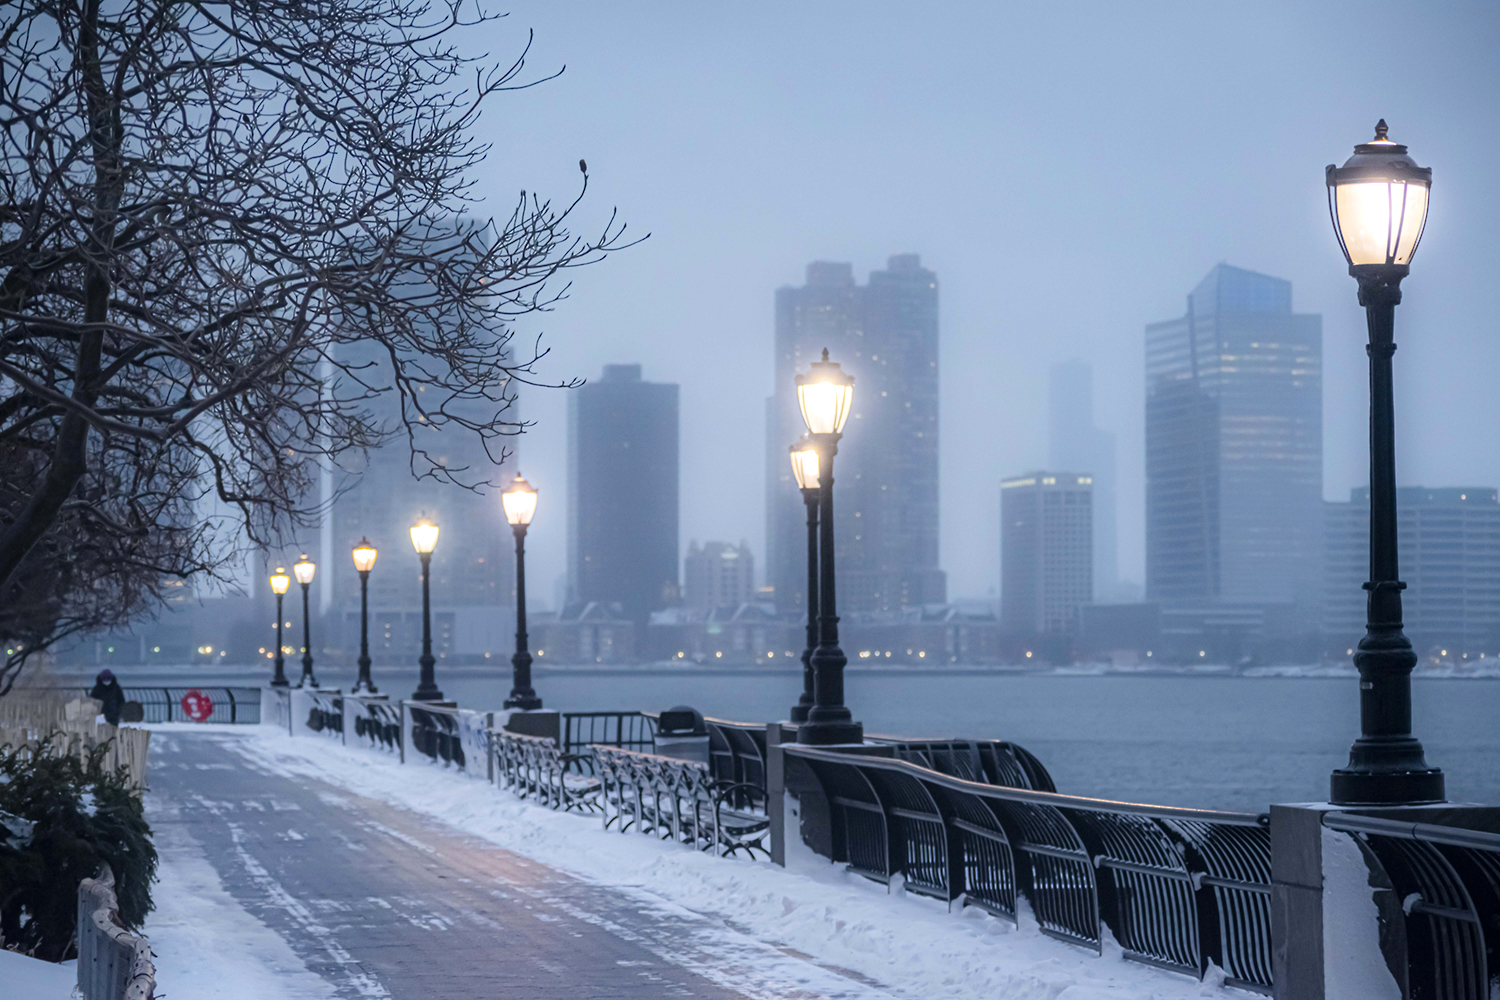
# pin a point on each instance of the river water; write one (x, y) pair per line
(1212, 742)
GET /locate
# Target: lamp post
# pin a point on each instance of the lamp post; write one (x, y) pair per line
(520, 504)
(805, 471)
(825, 394)
(364, 561)
(279, 584)
(424, 535)
(1378, 201)
(304, 571)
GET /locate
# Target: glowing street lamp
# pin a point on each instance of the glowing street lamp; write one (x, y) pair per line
(364, 560)
(280, 583)
(1378, 201)
(424, 536)
(304, 571)
(825, 395)
(519, 501)
(804, 457)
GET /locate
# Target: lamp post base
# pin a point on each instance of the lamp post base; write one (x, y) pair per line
(431, 694)
(1389, 771)
(823, 734)
(524, 703)
(798, 713)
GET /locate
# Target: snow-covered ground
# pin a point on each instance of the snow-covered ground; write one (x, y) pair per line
(910, 944)
(24, 978)
(206, 945)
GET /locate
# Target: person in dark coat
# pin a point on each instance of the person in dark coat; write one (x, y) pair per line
(107, 690)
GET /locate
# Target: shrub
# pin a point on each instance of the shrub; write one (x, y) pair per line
(80, 816)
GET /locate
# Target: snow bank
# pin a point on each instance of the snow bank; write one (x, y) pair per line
(25, 978)
(909, 943)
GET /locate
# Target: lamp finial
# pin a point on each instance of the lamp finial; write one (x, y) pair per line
(1381, 130)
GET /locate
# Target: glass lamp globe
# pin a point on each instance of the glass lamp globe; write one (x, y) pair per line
(1378, 202)
(364, 555)
(519, 500)
(805, 464)
(280, 581)
(825, 394)
(424, 536)
(304, 571)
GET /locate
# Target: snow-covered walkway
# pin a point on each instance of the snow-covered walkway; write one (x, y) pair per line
(298, 868)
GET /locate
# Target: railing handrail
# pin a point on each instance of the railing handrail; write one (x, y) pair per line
(1432, 833)
(1055, 799)
(437, 709)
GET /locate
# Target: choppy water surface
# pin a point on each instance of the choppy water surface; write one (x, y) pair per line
(1226, 743)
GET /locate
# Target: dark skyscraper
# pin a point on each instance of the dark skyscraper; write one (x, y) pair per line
(885, 334)
(622, 492)
(1234, 447)
(1075, 443)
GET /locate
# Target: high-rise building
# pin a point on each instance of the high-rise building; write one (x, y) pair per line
(1449, 555)
(1046, 551)
(1075, 443)
(885, 334)
(622, 492)
(717, 575)
(472, 572)
(1234, 449)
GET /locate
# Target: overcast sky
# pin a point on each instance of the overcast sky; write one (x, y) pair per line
(1070, 171)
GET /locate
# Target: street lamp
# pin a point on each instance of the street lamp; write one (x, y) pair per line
(1378, 201)
(424, 535)
(805, 471)
(304, 571)
(520, 504)
(825, 394)
(364, 561)
(279, 584)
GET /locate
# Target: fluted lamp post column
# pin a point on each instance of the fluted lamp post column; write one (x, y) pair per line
(280, 583)
(424, 536)
(364, 561)
(805, 472)
(519, 501)
(825, 395)
(1378, 201)
(304, 571)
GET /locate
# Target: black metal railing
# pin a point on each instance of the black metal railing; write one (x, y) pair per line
(239, 705)
(325, 712)
(377, 722)
(1446, 882)
(449, 734)
(626, 730)
(1178, 888)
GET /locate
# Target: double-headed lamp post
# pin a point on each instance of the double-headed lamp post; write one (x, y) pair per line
(424, 536)
(280, 583)
(304, 571)
(825, 395)
(1378, 201)
(805, 472)
(519, 501)
(364, 561)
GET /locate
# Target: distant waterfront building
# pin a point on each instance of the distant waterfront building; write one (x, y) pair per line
(622, 493)
(472, 575)
(1449, 559)
(1046, 552)
(717, 575)
(885, 334)
(1074, 442)
(1234, 458)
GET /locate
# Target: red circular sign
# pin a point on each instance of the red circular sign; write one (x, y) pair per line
(197, 706)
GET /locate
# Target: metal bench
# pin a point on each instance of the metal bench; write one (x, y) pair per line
(535, 767)
(680, 800)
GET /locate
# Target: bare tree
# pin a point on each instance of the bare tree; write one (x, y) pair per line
(225, 228)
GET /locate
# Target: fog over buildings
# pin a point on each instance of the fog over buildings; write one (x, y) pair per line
(966, 147)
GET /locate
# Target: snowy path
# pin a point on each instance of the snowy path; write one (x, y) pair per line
(320, 892)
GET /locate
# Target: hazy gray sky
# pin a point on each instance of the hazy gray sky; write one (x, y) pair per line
(1069, 170)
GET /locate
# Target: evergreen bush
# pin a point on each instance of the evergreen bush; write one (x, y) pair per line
(80, 816)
